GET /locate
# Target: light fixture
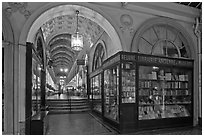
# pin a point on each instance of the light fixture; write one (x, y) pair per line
(66, 70)
(76, 38)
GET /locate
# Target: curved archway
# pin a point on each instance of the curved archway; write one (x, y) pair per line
(151, 23)
(58, 9)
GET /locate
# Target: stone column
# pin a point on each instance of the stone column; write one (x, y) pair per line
(8, 89)
(22, 87)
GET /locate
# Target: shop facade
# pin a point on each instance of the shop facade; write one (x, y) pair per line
(141, 91)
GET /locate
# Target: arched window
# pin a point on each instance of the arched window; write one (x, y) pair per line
(162, 39)
(40, 47)
(99, 56)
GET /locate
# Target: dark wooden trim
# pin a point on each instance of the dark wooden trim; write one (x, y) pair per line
(28, 103)
(43, 84)
(200, 121)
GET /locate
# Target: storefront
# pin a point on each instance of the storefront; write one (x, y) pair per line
(138, 91)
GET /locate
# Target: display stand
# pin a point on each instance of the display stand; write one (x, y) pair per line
(145, 91)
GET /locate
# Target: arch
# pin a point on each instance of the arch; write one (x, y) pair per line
(87, 10)
(156, 21)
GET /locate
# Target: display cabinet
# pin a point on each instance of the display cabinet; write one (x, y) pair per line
(146, 91)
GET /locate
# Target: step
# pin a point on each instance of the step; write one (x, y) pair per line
(68, 111)
(58, 105)
(64, 107)
(73, 100)
(65, 103)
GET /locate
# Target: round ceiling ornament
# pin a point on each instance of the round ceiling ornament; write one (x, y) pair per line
(126, 20)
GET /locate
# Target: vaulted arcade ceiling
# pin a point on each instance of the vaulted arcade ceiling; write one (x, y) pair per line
(57, 34)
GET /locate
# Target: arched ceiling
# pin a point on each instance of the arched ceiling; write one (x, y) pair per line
(57, 35)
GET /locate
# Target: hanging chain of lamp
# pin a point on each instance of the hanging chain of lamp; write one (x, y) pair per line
(77, 39)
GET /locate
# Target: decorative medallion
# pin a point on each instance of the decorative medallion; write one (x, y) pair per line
(126, 20)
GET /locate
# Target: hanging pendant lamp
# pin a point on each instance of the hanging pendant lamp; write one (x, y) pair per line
(76, 38)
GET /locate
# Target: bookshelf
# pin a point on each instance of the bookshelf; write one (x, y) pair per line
(163, 92)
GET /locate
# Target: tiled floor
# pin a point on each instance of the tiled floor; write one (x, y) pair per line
(87, 124)
(76, 124)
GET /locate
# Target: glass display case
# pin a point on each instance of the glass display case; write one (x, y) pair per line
(111, 93)
(96, 92)
(140, 90)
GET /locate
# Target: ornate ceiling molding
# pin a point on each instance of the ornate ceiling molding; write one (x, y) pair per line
(18, 6)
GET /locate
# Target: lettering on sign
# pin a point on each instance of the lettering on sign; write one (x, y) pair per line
(129, 57)
(167, 61)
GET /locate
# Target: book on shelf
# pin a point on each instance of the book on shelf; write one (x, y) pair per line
(168, 76)
(181, 77)
(154, 75)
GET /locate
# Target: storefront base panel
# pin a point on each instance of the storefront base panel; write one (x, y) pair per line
(165, 123)
(200, 122)
(128, 128)
(97, 113)
(111, 123)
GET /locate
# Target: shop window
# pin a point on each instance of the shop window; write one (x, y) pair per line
(111, 93)
(164, 92)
